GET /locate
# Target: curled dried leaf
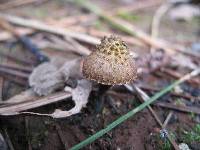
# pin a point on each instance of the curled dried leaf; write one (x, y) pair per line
(80, 97)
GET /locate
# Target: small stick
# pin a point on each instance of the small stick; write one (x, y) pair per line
(79, 48)
(154, 89)
(16, 3)
(1, 88)
(24, 96)
(16, 58)
(5, 35)
(70, 45)
(8, 140)
(156, 21)
(190, 109)
(28, 132)
(24, 40)
(17, 67)
(20, 81)
(97, 33)
(14, 109)
(60, 134)
(34, 24)
(167, 119)
(137, 6)
(14, 72)
(178, 75)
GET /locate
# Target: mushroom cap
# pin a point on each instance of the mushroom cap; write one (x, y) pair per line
(111, 63)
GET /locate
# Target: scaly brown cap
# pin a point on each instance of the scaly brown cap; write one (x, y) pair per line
(111, 63)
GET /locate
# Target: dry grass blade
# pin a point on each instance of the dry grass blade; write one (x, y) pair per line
(14, 72)
(16, 3)
(4, 35)
(8, 140)
(34, 24)
(15, 109)
(78, 48)
(139, 5)
(24, 96)
(189, 109)
(156, 21)
(1, 88)
(16, 67)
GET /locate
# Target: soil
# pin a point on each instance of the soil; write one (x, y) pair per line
(140, 132)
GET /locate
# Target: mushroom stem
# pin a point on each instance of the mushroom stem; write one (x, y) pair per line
(101, 97)
(103, 88)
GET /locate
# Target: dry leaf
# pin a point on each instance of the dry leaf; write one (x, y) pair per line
(80, 97)
(72, 68)
(48, 77)
(45, 79)
(184, 12)
(184, 61)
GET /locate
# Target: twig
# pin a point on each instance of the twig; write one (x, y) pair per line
(34, 24)
(97, 33)
(5, 35)
(154, 89)
(17, 76)
(167, 119)
(14, 72)
(60, 134)
(156, 21)
(70, 21)
(1, 88)
(14, 109)
(22, 97)
(27, 43)
(20, 81)
(177, 75)
(28, 132)
(16, 67)
(16, 58)
(138, 5)
(16, 3)
(7, 138)
(80, 49)
(68, 44)
(190, 109)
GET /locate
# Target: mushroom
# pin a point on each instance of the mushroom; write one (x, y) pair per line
(110, 64)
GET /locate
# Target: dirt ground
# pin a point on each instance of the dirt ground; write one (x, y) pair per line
(141, 132)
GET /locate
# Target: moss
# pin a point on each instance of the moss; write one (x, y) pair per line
(191, 136)
(162, 144)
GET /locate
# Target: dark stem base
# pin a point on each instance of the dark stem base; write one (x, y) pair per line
(100, 99)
